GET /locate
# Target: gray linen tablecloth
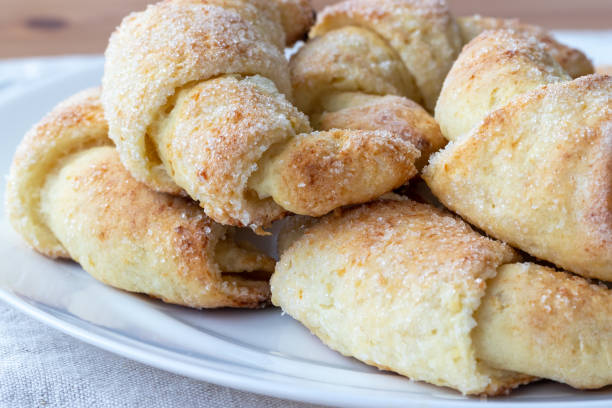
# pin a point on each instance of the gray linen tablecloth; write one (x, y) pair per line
(42, 367)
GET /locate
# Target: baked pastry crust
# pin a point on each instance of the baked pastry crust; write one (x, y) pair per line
(573, 61)
(75, 124)
(422, 33)
(536, 171)
(362, 50)
(398, 115)
(69, 196)
(347, 59)
(491, 70)
(215, 137)
(550, 324)
(395, 284)
(412, 289)
(351, 75)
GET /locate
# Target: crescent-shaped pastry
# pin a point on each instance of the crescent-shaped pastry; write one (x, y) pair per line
(197, 95)
(347, 76)
(69, 196)
(535, 171)
(409, 288)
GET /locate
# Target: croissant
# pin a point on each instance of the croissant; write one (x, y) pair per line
(197, 96)
(365, 67)
(530, 161)
(69, 197)
(409, 288)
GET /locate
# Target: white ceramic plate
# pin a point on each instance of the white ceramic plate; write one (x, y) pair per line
(260, 351)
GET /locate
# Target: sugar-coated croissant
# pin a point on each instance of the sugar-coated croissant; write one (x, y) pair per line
(197, 95)
(409, 288)
(69, 196)
(531, 157)
(405, 46)
(351, 75)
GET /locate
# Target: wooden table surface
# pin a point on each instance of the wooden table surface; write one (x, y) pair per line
(51, 27)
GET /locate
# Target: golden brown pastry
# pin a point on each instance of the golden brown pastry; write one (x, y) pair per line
(197, 95)
(69, 196)
(409, 288)
(296, 17)
(398, 115)
(369, 63)
(535, 171)
(365, 67)
(412, 41)
(573, 61)
(492, 69)
(549, 324)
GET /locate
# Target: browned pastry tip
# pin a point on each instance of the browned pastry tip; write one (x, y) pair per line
(315, 173)
(395, 114)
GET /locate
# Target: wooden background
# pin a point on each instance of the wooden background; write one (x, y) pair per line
(49, 27)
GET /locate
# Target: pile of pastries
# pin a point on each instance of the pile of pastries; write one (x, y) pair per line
(392, 127)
